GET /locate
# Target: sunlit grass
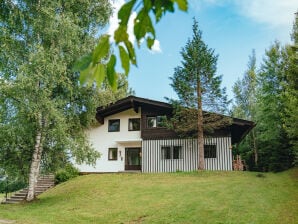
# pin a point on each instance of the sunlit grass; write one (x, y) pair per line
(198, 197)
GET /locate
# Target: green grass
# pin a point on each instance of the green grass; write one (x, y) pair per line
(199, 197)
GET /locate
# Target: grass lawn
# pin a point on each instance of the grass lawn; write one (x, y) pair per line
(198, 197)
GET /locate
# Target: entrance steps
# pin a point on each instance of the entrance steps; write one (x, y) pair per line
(44, 183)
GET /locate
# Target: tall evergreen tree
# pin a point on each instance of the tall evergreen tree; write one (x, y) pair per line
(275, 151)
(198, 87)
(290, 97)
(245, 107)
(42, 103)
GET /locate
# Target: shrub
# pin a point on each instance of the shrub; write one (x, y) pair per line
(66, 173)
(11, 185)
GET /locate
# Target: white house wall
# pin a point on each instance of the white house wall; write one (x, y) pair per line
(102, 140)
(152, 157)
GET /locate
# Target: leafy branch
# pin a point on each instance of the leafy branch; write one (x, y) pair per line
(101, 63)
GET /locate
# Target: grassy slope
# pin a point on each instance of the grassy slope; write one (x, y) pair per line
(199, 197)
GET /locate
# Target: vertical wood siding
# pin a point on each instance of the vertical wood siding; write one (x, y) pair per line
(152, 160)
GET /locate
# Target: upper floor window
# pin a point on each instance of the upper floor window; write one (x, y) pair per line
(171, 152)
(134, 124)
(209, 151)
(156, 122)
(114, 125)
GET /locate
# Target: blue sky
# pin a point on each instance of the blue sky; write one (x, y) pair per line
(231, 27)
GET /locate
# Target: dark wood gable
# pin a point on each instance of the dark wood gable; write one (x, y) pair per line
(151, 108)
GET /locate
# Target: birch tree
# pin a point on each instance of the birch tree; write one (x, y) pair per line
(40, 41)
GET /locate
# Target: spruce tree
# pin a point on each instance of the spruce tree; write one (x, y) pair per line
(198, 88)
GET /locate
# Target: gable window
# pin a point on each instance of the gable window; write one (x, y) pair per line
(114, 125)
(210, 151)
(156, 121)
(171, 152)
(134, 124)
(113, 154)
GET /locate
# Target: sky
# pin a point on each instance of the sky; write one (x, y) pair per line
(233, 28)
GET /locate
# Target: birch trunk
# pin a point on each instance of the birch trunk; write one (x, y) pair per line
(35, 163)
(201, 160)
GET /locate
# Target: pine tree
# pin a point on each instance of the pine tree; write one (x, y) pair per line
(198, 88)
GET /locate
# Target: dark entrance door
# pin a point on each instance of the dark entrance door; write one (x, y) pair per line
(133, 159)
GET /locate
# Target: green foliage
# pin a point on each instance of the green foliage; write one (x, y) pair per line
(275, 149)
(263, 97)
(272, 104)
(66, 173)
(245, 107)
(12, 184)
(40, 42)
(290, 94)
(103, 60)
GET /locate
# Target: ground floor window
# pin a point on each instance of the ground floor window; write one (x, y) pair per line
(210, 151)
(113, 154)
(171, 152)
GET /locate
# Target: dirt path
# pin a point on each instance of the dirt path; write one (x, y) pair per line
(2, 221)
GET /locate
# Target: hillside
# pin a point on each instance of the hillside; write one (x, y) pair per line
(199, 197)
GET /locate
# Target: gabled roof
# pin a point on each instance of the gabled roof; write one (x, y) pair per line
(239, 127)
(128, 103)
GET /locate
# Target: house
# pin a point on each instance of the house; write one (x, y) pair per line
(131, 136)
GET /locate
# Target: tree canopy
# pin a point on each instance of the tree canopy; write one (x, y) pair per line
(42, 104)
(268, 96)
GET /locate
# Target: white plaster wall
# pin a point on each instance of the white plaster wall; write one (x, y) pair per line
(102, 140)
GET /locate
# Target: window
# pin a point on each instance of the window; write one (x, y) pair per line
(177, 152)
(210, 151)
(114, 125)
(171, 152)
(166, 152)
(156, 122)
(113, 154)
(134, 124)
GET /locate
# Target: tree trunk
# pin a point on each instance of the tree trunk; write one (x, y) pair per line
(255, 147)
(201, 160)
(35, 163)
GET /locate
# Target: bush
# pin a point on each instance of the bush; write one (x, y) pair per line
(12, 185)
(68, 172)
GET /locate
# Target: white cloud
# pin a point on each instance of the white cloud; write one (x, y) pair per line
(113, 21)
(156, 47)
(275, 13)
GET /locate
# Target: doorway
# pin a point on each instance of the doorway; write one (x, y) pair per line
(133, 159)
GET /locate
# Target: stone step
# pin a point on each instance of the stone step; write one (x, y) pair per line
(14, 199)
(21, 194)
(11, 202)
(17, 197)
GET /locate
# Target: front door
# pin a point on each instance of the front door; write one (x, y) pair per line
(133, 159)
